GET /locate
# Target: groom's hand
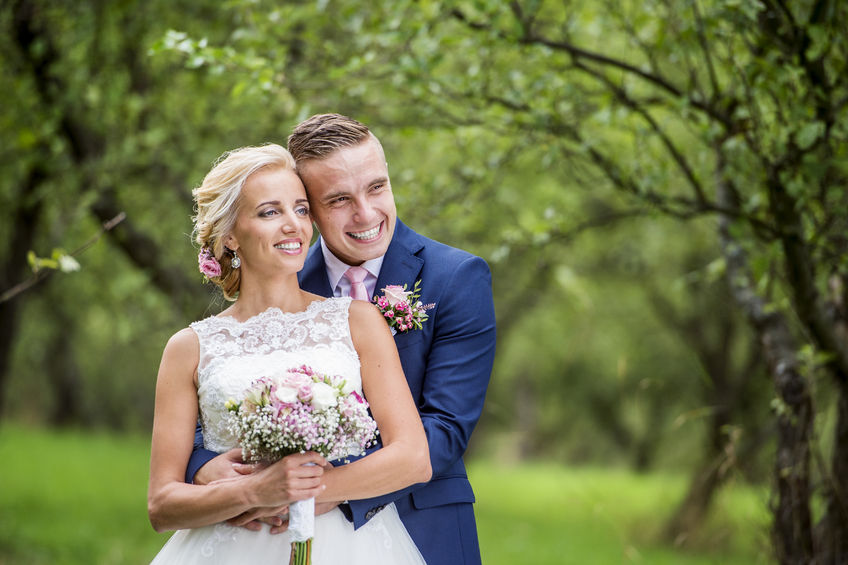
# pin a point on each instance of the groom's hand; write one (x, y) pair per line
(228, 465)
(277, 518)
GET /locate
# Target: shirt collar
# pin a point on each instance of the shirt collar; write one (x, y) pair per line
(336, 267)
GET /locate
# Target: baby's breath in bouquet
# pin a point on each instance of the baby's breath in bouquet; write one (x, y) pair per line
(297, 411)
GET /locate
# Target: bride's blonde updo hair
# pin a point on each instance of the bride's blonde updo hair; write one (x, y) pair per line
(216, 203)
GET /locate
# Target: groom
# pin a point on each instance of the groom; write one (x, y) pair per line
(362, 249)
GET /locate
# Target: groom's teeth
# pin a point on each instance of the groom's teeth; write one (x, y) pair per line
(289, 246)
(365, 234)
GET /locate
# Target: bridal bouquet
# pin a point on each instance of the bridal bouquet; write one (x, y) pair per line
(295, 411)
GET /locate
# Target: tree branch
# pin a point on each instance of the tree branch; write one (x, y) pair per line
(702, 41)
(531, 38)
(676, 155)
(42, 274)
(801, 276)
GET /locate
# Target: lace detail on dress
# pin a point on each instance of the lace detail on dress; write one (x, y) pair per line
(233, 354)
(221, 533)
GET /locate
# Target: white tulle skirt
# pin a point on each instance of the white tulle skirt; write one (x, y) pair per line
(383, 540)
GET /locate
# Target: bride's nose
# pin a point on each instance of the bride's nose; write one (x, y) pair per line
(289, 224)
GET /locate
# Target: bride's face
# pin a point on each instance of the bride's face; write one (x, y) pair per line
(273, 227)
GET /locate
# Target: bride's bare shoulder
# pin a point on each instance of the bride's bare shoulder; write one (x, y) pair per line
(363, 312)
(366, 321)
(183, 344)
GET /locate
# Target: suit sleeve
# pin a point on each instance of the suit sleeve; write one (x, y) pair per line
(199, 456)
(458, 367)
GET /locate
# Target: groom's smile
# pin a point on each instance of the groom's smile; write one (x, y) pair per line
(367, 235)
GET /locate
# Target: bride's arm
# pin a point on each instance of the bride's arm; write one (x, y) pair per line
(173, 504)
(404, 458)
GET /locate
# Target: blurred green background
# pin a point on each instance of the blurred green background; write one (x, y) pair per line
(659, 188)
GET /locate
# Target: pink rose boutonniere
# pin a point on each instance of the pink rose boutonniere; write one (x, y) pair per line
(401, 308)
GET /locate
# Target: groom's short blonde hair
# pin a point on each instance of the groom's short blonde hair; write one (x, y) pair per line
(322, 134)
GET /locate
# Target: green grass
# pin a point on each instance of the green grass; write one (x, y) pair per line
(79, 498)
(75, 498)
(544, 514)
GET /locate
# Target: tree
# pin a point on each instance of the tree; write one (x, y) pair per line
(736, 110)
(83, 122)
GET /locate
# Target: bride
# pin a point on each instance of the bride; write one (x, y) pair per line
(254, 228)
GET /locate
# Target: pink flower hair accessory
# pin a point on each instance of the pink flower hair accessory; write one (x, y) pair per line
(207, 264)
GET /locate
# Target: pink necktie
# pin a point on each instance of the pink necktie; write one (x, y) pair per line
(356, 276)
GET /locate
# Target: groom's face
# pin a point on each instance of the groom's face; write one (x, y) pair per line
(352, 201)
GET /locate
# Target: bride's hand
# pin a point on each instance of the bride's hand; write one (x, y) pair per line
(292, 478)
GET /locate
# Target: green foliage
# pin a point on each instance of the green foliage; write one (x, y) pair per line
(486, 145)
(579, 147)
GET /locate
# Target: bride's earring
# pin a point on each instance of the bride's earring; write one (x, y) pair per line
(236, 262)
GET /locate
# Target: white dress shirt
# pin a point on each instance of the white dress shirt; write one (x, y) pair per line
(336, 269)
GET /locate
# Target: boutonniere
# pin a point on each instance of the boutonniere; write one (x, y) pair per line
(401, 308)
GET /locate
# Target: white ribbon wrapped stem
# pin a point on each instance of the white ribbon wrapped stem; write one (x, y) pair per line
(302, 519)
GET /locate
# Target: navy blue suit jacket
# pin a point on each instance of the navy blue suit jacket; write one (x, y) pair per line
(447, 365)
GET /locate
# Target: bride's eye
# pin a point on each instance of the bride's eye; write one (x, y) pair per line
(267, 213)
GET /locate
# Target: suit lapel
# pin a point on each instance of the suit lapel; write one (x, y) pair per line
(401, 264)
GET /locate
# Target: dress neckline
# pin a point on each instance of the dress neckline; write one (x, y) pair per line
(271, 310)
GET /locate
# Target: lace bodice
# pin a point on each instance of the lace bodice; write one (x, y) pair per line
(233, 354)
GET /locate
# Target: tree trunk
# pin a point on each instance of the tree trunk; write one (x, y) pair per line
(832, 530)
(792, 528)
(691, 513)
(526, 409)
(708, 329)
(23, 237)
(63, 371)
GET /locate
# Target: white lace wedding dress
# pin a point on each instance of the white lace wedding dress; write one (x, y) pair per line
(232, 355)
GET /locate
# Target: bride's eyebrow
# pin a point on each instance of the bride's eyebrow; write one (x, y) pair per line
(272, 202)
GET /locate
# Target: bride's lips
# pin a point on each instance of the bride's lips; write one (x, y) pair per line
(289, 246)
(367, 236)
